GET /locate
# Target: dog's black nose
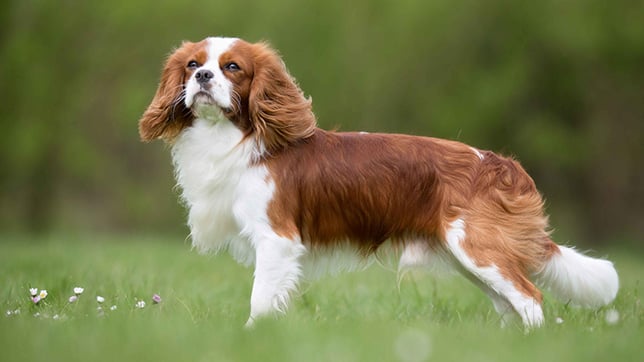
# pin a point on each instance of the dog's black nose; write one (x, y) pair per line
(203, 76)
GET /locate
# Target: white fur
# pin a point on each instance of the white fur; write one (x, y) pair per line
(227, 197)
(580, 279)
(333, 261)
(221, 87)
(501, 290)
(210, 160)
(277, 273)
(417, 253)
(277, 259)
(478, 153)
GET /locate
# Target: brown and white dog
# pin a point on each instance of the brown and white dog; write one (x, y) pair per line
(263, 182)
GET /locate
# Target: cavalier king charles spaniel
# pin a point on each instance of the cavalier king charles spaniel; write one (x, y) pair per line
(263, 182)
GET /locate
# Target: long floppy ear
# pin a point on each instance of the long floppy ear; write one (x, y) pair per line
(167, 114)
(279, 113)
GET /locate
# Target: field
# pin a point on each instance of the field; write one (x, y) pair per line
(361, 316)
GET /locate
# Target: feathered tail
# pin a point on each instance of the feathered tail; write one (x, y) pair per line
(579, 279)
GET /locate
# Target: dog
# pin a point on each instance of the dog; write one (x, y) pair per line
(263, 182)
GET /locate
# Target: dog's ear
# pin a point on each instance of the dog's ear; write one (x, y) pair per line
(167, 114)
(279, 113)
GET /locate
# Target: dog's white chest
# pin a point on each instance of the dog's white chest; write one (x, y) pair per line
(211, 163)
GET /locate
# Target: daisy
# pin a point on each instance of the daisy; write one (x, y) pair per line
(36, 297)
(78, 290)
(100, 299)
(140, 304)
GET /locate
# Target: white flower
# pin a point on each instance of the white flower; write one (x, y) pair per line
(33, 291)
(17, 311)
(43, 294)
(78, 290)
(73, 298)
(140, 304)
(559, 320)
(612, 316)
(113, 307)
(56, 317)
(100, 299)
(8, 313)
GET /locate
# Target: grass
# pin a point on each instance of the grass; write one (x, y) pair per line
(360, 316)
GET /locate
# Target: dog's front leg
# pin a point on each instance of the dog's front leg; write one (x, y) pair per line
(277, 271)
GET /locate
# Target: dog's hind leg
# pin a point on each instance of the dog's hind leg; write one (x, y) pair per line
(419, 254)
(503, 284)
(502, 306)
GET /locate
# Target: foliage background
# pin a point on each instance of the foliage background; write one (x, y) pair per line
(559, 84)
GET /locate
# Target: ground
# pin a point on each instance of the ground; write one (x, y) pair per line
(361, 316)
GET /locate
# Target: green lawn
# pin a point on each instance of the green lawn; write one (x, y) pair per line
(361, 316)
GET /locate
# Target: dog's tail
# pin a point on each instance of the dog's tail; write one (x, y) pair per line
(579, 279)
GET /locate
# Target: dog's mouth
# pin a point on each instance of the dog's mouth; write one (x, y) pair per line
(203, 98)
(204, 105)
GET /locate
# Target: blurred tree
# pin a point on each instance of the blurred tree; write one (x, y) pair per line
(558, 84)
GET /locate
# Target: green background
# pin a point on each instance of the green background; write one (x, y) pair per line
(558, 84)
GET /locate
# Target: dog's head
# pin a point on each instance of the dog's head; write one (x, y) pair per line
(246, 83)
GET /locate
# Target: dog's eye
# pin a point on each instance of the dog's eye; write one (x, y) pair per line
(193, 64)
(232, 67)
